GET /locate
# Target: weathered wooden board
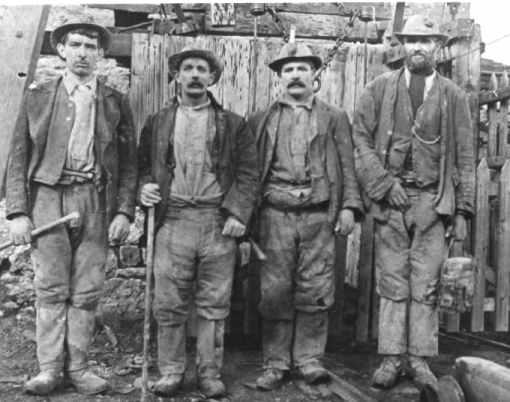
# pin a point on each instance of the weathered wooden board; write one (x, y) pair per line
(21, 29)
(503, 256)
(481, 244)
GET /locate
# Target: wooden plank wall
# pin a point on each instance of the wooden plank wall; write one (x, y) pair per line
(247, 85)
(21, 29)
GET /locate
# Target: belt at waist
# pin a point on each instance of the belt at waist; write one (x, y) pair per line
(321, 207)
(412, 184)
(70, 176)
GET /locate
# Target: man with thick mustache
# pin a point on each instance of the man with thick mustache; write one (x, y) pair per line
(414, 159)
(73, 149)
(309, 193)
(198, 166)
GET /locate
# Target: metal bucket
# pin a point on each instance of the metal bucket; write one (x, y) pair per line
(456, 288)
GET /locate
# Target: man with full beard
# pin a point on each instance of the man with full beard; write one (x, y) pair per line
(414, 158)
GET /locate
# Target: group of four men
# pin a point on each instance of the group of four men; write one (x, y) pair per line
(289, 175)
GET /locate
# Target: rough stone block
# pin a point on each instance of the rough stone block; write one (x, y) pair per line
(136, 272)
(129, 256)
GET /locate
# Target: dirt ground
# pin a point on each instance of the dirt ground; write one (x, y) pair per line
(242, 365)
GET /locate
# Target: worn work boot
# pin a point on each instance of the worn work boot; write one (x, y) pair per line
(271, 378)
(167, 385)
(420, 372)
(314, 373)
(87, 383)
(388, 372)
(211, 387)
(44, 382)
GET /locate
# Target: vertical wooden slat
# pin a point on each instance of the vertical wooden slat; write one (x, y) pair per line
(481, 244)
(503, 259)
(21, 36)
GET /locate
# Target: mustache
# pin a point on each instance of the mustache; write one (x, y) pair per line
(297, 83)
(195, 85)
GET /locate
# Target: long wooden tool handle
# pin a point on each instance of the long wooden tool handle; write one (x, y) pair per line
(148, 303)
(45, 228)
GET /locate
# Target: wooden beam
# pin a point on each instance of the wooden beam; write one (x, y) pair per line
(486, 97)
(20, 43)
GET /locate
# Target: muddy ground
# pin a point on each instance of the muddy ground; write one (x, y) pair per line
(242, 365)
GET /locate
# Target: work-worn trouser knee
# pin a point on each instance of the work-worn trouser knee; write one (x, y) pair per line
(193, 260)
(297, 285)
(410, 248)
(69, 267)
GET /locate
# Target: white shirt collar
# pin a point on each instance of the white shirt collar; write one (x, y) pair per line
(71, 82)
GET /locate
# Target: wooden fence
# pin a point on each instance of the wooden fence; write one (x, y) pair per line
(491, 234)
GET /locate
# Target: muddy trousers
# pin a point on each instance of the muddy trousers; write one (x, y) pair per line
(297, 285)
(194, 263)
(69, 273)
(410, 248)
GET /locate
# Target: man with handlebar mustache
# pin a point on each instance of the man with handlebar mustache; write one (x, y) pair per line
(198, 167)
(309, 194)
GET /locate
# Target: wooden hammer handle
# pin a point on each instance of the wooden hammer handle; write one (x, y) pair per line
(45, 228)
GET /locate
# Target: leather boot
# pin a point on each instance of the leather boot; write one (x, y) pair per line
(314, 373)
(388, 372)
(167, 385)
(421, 374)
(44, 382)
(271, 378)
(210, 356)
(80, 330)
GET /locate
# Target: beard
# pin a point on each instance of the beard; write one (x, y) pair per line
(420, 65)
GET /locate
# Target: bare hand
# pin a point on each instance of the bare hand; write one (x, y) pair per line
(345, 222)
(233, 228)
(19, 230)
(397, 196)
(150, 195)
(459, 229)
(119, 229)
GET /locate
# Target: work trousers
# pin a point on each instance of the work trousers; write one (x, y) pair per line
(410, 248)
(69, 271)
(193, 261)
(297, 285)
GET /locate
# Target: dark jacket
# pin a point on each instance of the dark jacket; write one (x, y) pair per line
(332, 144)
(114, 145)
(233, 156)
(373, 126)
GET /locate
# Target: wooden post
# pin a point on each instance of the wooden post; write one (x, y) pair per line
(21, 37)
(481, 242)
(503, 258)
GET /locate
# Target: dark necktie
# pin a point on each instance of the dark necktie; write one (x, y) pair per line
(416, 89)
